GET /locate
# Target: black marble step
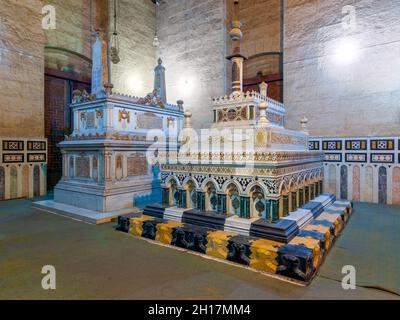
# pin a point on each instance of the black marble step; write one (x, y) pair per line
(316, 208)
(208, 219)
(283, 231)
(155, 210)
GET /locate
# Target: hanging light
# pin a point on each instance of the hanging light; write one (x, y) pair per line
(156, 41)
(114, 50)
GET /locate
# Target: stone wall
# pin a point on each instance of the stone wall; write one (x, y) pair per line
(134, 74)
(261, 34)
(69, 44)
(193, 47)
(344, 80)
(21, 69)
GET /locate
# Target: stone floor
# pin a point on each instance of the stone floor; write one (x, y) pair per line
(96, 262)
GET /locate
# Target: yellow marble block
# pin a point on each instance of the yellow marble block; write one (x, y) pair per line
(323, 230)
(340, 210)
(264, 255)
(336, 219)
(136, 225)
(164, 231)
(312, 244)
(217, 245)
(346, 204)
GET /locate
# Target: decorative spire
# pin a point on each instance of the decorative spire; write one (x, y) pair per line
(304, 124)
(188, 120)
(263, 120)
(237, 58)
(159, 81)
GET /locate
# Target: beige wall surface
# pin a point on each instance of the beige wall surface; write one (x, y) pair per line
(21, 69)
(72, 34)
(261, 34)
(344, 77)
(136, 25)
(193, 47)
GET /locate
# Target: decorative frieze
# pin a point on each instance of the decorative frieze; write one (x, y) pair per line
(13, 158)
(364, 170)
(13, 145)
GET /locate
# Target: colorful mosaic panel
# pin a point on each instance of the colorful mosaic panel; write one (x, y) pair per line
(332, 145)
(37, 157)
(382, 144)
(313, 145)
(356, 145)
(13, 158)
(9, 145)
(333, 157)
(382, 158)
(356, 157)
(36, 145)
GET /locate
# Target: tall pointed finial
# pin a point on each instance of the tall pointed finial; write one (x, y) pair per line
(237, 58)
(159, 81)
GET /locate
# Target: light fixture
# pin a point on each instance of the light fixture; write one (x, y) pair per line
(135, 84)
(114, 50)
(346, 51)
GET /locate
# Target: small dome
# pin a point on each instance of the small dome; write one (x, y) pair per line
(236, 34)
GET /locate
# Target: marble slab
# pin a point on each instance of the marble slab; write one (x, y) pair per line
(90, 216)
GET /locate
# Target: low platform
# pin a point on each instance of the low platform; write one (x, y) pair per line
(85, 215)
(283, 231)
(298, 259)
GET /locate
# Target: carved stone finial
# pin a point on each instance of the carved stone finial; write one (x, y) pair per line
(188, 120)
(304, 124)
(159, 81)
(263, 89)
(263, 121)
(180, 104)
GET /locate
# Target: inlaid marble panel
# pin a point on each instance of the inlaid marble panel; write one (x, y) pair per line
(382, 185)
(356, 183)
(83, 167)
(332, 179)
(369, 184)
(2, 183)
(118, 168)
(25, 181)
(95, 168)
(396, 186)
(13, 182)
(149, 121)
(343, 182)
(137, 165)
(36, 181)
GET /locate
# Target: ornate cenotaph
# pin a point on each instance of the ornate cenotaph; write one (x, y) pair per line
(107, 170)
(253, 174)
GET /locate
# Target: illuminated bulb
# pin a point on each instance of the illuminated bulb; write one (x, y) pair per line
(346, 52)
(135, 84)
